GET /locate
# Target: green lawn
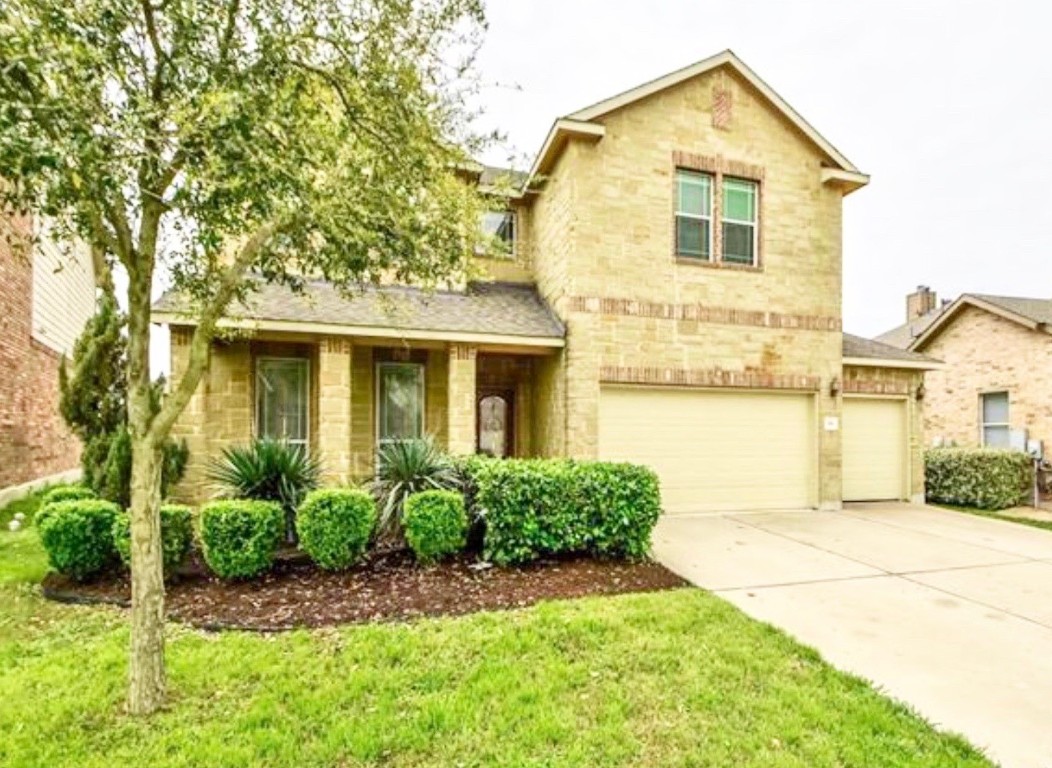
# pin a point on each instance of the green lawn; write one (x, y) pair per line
(670, 679)
(1045, 525)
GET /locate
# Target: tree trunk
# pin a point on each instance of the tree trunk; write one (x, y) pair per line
(146, 689)
(146, 678)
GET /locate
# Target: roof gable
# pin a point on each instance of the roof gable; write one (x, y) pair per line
(1035, 314)
(725, 58)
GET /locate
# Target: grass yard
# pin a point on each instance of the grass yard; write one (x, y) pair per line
(677, 678)
(1045, 525)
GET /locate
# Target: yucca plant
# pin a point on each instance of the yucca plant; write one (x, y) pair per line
(404, 467)
(267, 470)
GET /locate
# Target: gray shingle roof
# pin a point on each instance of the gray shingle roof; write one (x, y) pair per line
(507, 309)
(1036, 310)
(856, 346)
(491, 175)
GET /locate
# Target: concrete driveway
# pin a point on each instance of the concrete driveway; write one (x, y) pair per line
(949, 612)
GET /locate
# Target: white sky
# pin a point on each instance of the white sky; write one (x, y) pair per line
(948, 105)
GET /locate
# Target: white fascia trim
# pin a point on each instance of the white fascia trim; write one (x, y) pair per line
(882, 362)
(336, 329)
(849, 179)
(561, 130)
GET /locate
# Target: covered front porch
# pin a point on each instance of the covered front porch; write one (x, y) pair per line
(343, 396)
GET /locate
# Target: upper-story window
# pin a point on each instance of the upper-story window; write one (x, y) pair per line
(500, 226)
(739, 221)
(693, 214)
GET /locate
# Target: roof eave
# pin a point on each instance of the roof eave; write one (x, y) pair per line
(563, 130)
(891, 362)
(974, 301)
(846, 181)
(367, 331)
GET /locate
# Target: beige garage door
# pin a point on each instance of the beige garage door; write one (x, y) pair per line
(714, 450)
(874, 444)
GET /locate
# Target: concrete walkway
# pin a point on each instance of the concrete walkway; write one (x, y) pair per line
(949, 612)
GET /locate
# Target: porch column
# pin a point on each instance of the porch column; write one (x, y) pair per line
(334, 409)
(192, 423)
(461, 399)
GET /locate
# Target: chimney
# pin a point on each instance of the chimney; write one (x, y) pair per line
(920, 303)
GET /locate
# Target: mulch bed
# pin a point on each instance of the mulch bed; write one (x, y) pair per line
(388, 587)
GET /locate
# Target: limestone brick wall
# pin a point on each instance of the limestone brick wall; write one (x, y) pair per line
(549, 405)
(436, 376)
(363, 413)
(985, 353)
(461, 392)
(604, 233)
(334, 408)
(897, 383)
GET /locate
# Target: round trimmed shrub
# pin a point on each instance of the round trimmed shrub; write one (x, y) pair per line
(176, 535)
(436, 524)
(77, 536)
(334, 526)
(240, 537)
(67, 493)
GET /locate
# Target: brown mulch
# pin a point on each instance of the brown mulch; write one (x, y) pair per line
(388, 587)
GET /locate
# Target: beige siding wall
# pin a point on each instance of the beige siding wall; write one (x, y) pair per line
(984, 352)
(63, 292)
(604, 231)
(900, 384)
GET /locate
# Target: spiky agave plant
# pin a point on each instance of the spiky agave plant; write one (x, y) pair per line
(404, 467)
(267, 470)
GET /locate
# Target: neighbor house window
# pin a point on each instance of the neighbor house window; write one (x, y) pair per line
(739, 221)
(693, 214)
(282, 399)
(500, 227)
(400, 401)
(995, 420)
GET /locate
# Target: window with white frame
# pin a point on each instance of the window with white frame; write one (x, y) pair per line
(400, 401)
(282, 399)
(499, 226)
(996, 432)
(739, 221)
(693, 214)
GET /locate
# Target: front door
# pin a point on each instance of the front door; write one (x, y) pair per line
(495, 423)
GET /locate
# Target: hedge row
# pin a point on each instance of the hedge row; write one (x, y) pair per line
(536, 507)
(983, 478)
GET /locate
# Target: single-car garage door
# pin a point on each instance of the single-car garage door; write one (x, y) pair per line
(874, 446)
(714, 450)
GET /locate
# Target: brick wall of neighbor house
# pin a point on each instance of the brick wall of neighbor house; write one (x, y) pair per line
(604, 234)
(983, 353)
(34, 440)
(896, 383)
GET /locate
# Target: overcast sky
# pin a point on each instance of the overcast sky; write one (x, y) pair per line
(948, 105)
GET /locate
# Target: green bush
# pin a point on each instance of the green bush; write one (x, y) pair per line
(436, 524)
(268, 470)
(335, 525)
(537, 507)
(977, 477)
(405, 467)
(176, 535)
(67, 493)
(77, 535)
(239, 537)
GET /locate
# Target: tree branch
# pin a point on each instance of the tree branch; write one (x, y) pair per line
(229, 281)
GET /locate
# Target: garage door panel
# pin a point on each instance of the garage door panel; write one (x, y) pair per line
(714, 450)
(874, 449)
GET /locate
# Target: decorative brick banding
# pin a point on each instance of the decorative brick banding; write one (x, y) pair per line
(700, 377)
(863, 387)
(722, 315)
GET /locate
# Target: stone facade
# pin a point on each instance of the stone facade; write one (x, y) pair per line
(907, 385)
(34, 440)
(984, 352)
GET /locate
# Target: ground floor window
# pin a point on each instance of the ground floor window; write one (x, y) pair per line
(995, 420)
(400, 401)
(283, 398)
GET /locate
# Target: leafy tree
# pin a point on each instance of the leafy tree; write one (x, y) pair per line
(212, 141)
(94, 405)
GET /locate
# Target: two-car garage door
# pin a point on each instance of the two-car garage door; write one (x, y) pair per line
(734, 450)
(715, 450)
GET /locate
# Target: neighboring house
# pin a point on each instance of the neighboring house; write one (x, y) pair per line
(998, 367)
(672, 296)
(46, 295)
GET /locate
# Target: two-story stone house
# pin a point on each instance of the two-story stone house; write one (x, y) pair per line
(672, 297)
